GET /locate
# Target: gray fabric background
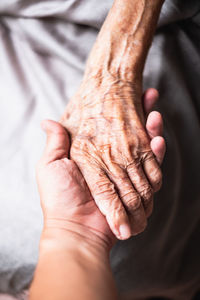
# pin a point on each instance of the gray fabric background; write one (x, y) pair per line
(43, 49)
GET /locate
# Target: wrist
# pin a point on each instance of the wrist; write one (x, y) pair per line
(125, 37)
(68, 249)
(64, 234)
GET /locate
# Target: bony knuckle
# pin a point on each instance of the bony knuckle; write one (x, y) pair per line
(132, 166)
(146, 193)
(133, 202)
(147, 156)
(116, 209)
(103, 187)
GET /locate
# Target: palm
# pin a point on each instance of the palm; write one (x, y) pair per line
(69, 197)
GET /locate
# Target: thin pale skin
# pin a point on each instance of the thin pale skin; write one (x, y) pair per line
(106, 121)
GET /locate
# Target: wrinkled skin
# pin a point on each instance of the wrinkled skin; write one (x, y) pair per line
(112, 150)
(106, 122)
(76, 237)
(65, 197)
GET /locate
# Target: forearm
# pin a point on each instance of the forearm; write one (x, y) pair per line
(124, 40)
(106, 119)
(72, 266)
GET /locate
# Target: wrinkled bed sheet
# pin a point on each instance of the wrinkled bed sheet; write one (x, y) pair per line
(7, 297)
(21, 296)
(43, 48)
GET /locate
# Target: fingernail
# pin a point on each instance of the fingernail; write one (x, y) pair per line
(124, 231)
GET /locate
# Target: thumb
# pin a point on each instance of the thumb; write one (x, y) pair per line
(57, 143)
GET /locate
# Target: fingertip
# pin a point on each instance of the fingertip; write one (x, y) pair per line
(150, 98)
(50, 126)
(119, 225)
(124, 232)
(153, 93)
(155, 117)
(109, 203)
(158, 143)
(158, 147)
(57, 141)
(154, 124)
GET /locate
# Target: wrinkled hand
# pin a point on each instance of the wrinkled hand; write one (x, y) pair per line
(112, 149)
(65, 197)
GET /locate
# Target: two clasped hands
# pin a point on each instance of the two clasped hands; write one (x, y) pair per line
(101, 165)
(76, 238)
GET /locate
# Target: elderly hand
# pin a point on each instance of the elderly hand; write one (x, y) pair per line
(106, 121)
(65, 196)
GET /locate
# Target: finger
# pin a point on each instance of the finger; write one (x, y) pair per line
(140, 182)
(150, 97)
(149, 209)
(154, 124)
(158, 147)
(108, 201)
(154, 128)
(128, 195)
(152, 170)
(57, 143)
(131, 201)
